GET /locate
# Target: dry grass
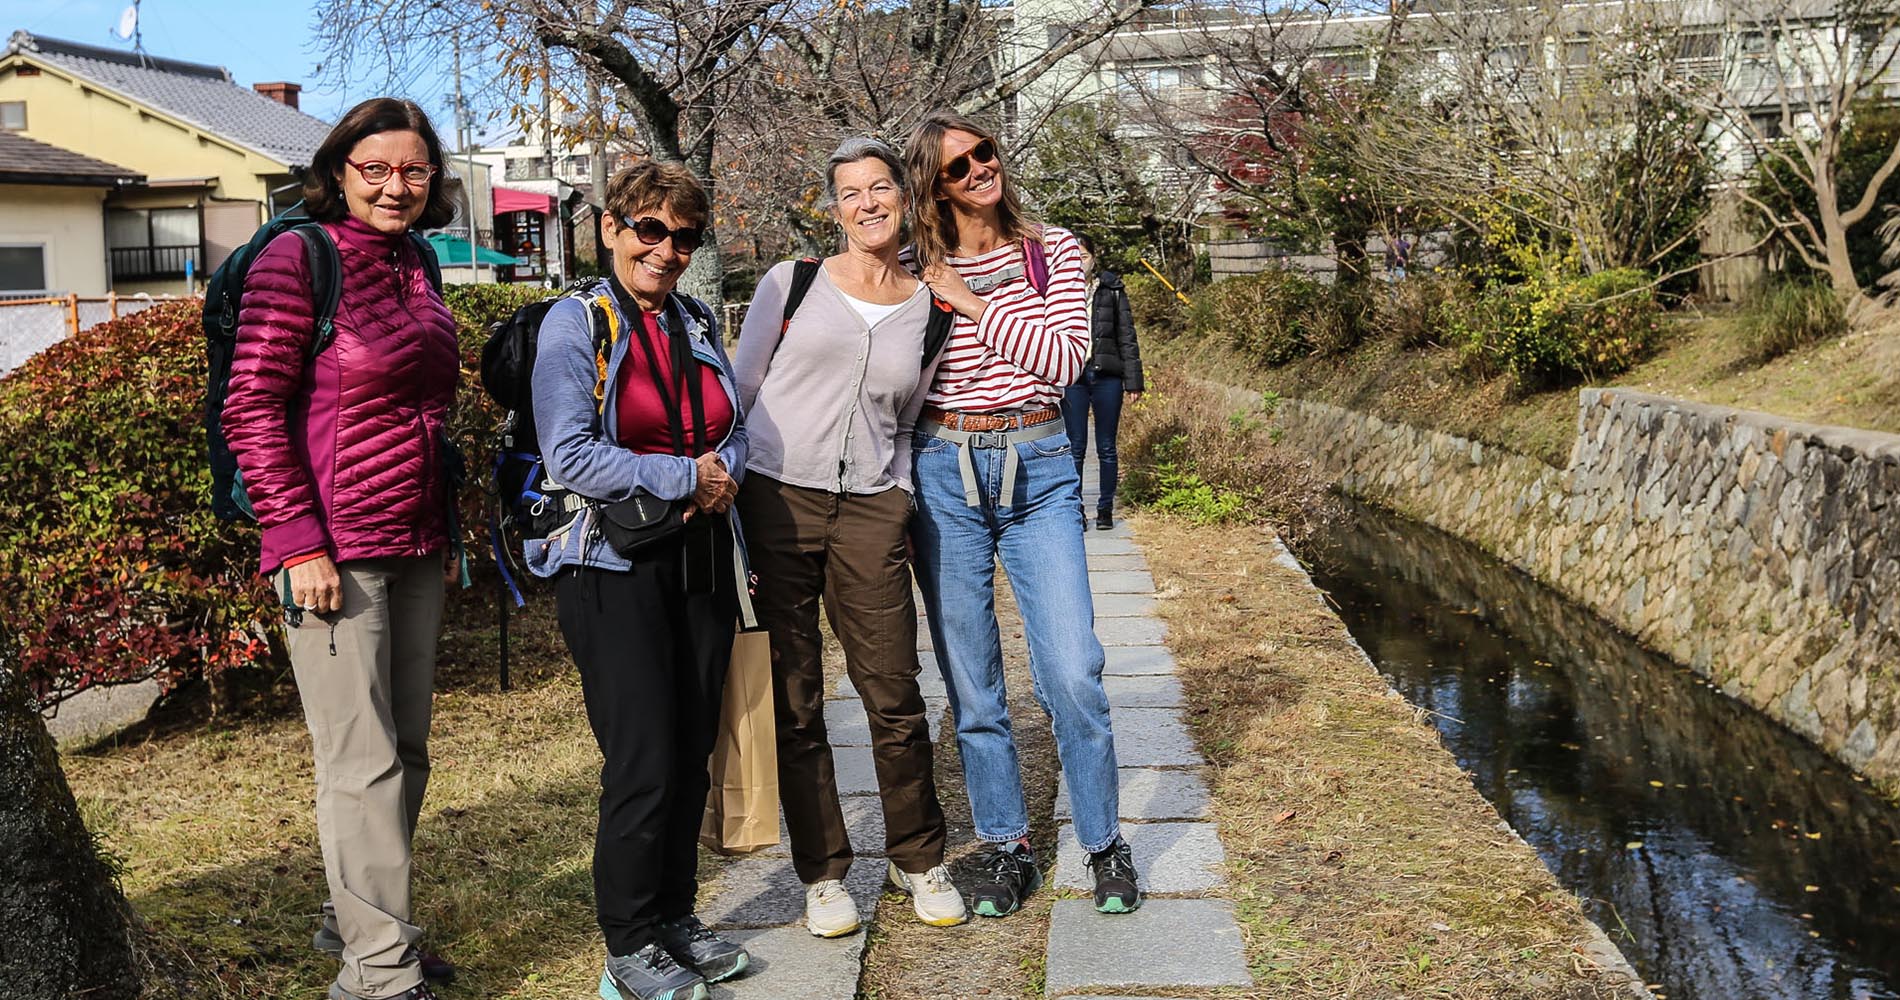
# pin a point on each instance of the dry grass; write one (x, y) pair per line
(213, 824)
(1363, 862)
(1852, 381)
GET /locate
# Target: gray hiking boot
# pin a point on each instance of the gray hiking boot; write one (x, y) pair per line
(649, 974)
(435, 968)
(420, 991)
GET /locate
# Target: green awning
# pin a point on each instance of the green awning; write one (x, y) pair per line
(453, 252)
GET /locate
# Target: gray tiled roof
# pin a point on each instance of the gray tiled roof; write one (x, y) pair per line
(202, 95)
(29, 161)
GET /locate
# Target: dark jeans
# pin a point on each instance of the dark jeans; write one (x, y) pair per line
(1104, 393)
(652, 660)
(849, 548)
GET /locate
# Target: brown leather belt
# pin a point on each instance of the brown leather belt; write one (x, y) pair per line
(959, 421)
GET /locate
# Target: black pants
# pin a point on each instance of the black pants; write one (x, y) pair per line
(652, 660)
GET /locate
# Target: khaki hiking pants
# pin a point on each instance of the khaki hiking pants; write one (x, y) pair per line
(366, 675)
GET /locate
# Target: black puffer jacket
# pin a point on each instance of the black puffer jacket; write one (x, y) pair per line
(1112, 331)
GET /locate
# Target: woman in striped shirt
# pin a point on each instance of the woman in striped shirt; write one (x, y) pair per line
(995, 478)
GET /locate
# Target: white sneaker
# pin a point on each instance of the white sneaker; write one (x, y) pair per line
(932, 895)
(829, 911)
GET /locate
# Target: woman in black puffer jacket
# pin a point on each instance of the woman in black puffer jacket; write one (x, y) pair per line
(1113, 371)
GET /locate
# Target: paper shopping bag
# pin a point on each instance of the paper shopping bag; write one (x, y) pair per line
(742, 805)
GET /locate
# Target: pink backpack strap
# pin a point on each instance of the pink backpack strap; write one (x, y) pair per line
(1036, 260)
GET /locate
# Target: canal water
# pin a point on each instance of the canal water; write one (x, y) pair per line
(1727, 857)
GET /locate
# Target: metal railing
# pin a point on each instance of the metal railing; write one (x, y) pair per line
(152, 262)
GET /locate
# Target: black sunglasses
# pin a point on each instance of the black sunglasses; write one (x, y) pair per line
(959, 168)
(653, 232)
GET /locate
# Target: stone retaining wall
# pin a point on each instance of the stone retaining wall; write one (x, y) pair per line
(1762, 552)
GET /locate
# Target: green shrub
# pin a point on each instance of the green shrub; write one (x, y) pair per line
(1414, 312)
(116, 568)
(1554, 330)
(1270, 315)
(1779, 316)
(1157, 311)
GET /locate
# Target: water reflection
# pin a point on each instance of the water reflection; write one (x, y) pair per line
(1727, 857)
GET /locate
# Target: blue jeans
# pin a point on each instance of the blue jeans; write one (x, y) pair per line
(1039, 540)
(1104, 393)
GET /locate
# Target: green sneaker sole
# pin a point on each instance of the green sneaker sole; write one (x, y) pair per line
(988, 908)
(1115, 904)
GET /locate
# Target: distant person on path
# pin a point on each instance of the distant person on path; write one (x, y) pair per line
(1113, 370)
(1398, 256)
(830, 403)
(995, 478)
(341, 458)
(650, 628)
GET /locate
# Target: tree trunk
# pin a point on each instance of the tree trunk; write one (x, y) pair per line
(67, 930)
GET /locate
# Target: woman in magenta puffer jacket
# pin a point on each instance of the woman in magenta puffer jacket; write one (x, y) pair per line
(341, 456)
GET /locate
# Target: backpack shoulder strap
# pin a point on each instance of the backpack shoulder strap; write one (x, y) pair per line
(430, 263)
(1036, 259)
(943, 319)
(804, 272)
(326, 288)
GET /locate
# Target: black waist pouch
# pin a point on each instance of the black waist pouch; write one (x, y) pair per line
(641, 521)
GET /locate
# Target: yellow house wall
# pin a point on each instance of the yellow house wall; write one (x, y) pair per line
(65, 110)
(70, 222)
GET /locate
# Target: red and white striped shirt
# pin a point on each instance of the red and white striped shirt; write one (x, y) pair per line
(1029, 346)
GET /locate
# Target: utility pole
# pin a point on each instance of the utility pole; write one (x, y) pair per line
(465, 135)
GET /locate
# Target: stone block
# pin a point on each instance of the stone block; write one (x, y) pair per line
(1121, 582)
(845, 724)
(788, 961)
(1152, 737)
(1121, 562)
(1123, 606)
(1148, 794)
(1129, 660)
(1145, 631)
(766, 892)
(1105, 545)
(1167, 943)
(857, 774)
(1170, 857)
(1143, 691)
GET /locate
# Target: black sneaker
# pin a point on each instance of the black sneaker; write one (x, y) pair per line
(1115, 888)
(420, 991)
(435, 968)
(695, 945)
(1009, 874)
(649, 974)
(1104, 520)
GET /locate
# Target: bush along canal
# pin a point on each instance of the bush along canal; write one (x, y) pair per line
(1727, 857)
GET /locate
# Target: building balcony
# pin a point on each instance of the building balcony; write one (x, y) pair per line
(152, 262)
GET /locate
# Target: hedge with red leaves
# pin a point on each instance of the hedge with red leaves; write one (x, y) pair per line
(115, 568)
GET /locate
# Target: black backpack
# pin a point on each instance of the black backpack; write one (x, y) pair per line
(943, 319)
(224, 297)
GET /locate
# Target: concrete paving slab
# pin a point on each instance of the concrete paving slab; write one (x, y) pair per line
(1143, 690)
(1149, 794)
(1108, 545)
(1127, 661)
(97, 713)
(1123, 606)
(1121, 582)
(845, 724)
(788, 961)
(1152, 737)
(857, 774)
(1170, 857)
(766, 892)
(1143, 631)
(1166, 943)
(1118, 562)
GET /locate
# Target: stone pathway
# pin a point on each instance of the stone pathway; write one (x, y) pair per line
(1183, 935)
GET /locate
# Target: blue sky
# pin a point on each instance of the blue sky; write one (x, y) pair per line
(257, 40)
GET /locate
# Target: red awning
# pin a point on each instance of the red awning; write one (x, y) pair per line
(510, 200)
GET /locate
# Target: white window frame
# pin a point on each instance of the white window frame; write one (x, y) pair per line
(46, 270)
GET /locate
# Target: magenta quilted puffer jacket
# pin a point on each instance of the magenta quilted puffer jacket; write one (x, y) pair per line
(340, 454)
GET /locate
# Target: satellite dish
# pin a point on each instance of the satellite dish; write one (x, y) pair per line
(128, 22)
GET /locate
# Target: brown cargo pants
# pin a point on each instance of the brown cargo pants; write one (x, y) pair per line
(850, 549)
